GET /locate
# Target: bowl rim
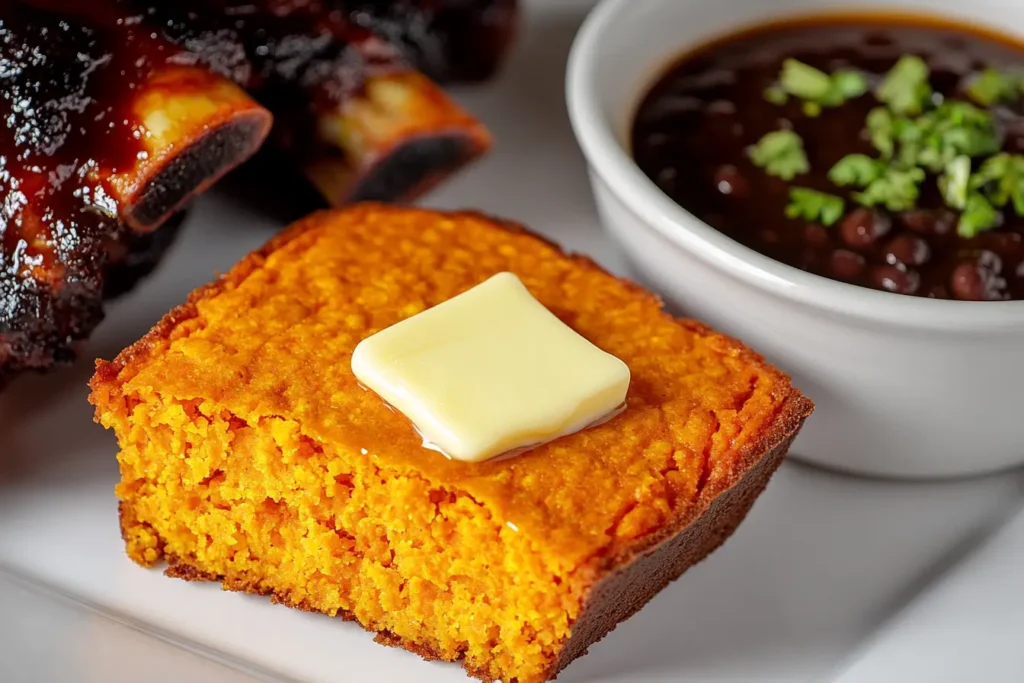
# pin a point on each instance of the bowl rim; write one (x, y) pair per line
(614, 166)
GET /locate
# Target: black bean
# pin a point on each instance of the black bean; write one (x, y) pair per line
(908, 250)
(990, 261)
(862, 227)
(926, 222)
(895, 279)
(730, 181)
(968, 283)
(815, 235)
(846, 264)
(979, 279)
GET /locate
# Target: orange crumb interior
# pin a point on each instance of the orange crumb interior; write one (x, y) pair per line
(249, 453)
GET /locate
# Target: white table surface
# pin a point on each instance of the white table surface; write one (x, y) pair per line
(820, 564)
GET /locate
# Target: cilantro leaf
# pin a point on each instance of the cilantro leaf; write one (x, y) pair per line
(992, 170)
(818, 89)
(905, 88)
(897, 189)
(812, 205)
(858, 170)
(804, 81)
(960, 113)
(912, 139)
(849, 83)
(776, 95)
(781, 154)
(955, 181)
(978, 216)
(881, 131)
(992, 86)
(1001, 180)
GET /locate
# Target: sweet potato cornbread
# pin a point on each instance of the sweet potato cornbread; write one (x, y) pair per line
(251, 456)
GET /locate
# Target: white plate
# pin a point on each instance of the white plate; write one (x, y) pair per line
(54, 640)
(821, 561)
(973, 617)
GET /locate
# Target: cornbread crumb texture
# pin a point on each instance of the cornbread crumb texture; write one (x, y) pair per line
(249, 452)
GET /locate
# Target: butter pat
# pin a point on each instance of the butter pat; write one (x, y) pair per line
(491, 371)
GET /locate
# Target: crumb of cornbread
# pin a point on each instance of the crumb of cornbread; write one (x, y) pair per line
(249, 453)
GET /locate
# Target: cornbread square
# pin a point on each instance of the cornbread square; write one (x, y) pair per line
(251, 456)
(490, 371)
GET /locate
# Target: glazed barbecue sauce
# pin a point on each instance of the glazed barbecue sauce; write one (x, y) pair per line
(64, 110)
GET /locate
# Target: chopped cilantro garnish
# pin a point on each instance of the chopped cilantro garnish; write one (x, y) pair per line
(881, 131)
(804, 81)
(915, 133)
(857, 170)
(812, 109)
(781, 154)
(992, 86)
(811, 205)
(911, 136)
(905, 88)
(1001, 180)
(955, 181)
(816, 88)
(971, 142)
(968, 141)
(849, 83)
(934, 139)
(776, 95)
(994, 169)
(964, 114)
(896, 189)
(979, 215)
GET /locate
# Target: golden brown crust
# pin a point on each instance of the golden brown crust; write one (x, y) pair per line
(107, 372)
(634, 570)
(637, 578)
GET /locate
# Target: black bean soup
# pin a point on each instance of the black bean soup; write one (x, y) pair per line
(884, 152)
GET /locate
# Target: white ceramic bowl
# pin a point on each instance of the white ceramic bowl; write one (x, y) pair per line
(904, 386)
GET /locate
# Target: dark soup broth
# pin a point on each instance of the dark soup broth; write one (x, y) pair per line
(886, 152)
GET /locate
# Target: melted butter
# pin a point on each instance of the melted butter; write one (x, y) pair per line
(429, 445)
(491, 372)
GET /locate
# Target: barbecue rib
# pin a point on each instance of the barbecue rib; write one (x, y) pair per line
(350, 110)
(104, 139)
(448, 40)
(117, 112)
